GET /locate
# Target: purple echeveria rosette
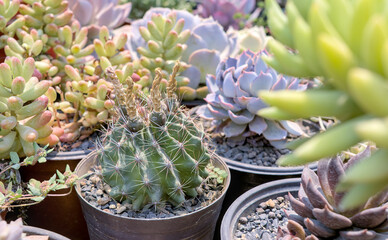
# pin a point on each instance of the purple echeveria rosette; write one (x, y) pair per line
(233, 99)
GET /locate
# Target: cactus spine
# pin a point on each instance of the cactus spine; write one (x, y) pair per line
(153, 153)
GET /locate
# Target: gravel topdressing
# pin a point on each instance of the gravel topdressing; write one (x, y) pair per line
(95, 191)
(264, 221)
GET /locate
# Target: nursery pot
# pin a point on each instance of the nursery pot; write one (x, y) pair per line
(38, 231)
(249, 201)
(196, 225)
(247, 176)
(59, 214)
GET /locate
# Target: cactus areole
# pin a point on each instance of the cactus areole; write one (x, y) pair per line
(153, 153)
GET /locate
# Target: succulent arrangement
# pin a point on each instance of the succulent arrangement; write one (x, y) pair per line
(153, 152)
(318, 209)
(95, 14)
(233, 100)
(225, 11)
(201, 45)
(346, 49)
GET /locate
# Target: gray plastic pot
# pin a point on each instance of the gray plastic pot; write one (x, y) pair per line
(249, 201)
(196, 225)
(38, 231)
(47, 214)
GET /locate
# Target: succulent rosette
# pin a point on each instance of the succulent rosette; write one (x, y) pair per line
(224, 11)
(318, 207)
(233, 100)
(97, 13)
(207, 45)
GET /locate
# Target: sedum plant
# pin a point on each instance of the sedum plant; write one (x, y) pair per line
(94, 14)
(23, 116)
(233, 100)
(206, 44)
(343, 42)
(225, 11)
(12, 192)
(153, 152)
(318, 208)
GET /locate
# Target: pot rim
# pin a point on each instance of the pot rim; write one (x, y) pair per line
(262, 170)
(90, 156)
(69, 155)
(251, 197)
(44, 232)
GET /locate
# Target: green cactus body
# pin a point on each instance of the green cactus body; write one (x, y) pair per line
(154, 158)
(160, 162)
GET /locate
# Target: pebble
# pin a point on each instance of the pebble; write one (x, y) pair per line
(263, 222)
(255, 150)
(243, 220)
(96, 192)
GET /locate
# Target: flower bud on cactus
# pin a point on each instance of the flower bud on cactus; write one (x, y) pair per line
(174, 165)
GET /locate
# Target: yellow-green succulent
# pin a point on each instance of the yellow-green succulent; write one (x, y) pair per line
(345, 44)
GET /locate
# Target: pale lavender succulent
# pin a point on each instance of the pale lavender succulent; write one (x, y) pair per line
(207, 45)
(12, 230)
(224, 11)
(97, 13)
(233, 99)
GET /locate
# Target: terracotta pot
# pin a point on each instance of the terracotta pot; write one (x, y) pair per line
(59, 214)
(196, 225)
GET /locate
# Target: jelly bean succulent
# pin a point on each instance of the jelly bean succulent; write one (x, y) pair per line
(344, 42)
(153, 153)
(200, 43)
(97, 13)
(318, 207)
(225, 11)
(233, 100)
(23, 114)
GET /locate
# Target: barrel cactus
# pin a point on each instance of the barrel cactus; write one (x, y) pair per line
(206, 44)
(23, 119)
(318, 207)
(346, 49)
(153, 152)
(233, 100)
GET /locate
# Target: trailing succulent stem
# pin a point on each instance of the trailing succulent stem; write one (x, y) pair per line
(153, 152)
